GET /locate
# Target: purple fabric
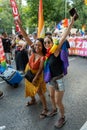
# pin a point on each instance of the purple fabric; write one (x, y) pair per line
(47, 73)
(64, 58)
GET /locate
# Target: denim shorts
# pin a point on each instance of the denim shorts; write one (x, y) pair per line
(57, 84)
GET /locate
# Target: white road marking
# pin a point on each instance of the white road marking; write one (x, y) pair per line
(84, 127)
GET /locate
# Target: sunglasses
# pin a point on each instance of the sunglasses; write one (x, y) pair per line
(47, 42)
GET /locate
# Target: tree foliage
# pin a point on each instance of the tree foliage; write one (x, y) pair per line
(54, 12)
(82, 11)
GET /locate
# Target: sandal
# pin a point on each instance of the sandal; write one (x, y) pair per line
(32, 102)
(44, 114)
(52, 113)
(60, 122)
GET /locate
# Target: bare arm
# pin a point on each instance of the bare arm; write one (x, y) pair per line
(24, 33)
(39, 71)
(66, 33)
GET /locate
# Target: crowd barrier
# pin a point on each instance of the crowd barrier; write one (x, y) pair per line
(78, 46)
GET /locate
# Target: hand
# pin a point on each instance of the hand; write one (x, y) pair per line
(34, 81)
(73, 19)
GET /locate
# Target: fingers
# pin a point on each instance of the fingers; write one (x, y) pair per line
(75, 17)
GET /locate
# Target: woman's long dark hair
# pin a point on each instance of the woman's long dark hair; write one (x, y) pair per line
(43, 48)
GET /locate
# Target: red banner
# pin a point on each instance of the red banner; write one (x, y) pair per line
(78, 46)
(15, 13)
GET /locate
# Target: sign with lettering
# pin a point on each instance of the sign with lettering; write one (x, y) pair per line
(78, 46)
(15, 13)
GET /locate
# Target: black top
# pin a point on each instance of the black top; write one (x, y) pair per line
(6, 44)
(55, 64)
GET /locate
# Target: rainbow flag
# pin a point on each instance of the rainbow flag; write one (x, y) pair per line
(83, 28)
(2, 56)
(63, 56)
(82, 31)
(47, 73)
(63, 23)
(41, 30)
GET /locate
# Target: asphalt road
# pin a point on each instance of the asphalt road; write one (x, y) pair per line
(16, 116)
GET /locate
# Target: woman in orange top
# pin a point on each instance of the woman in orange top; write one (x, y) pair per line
(55, 51)
(38, 85)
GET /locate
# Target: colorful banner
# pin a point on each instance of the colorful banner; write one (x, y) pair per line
(78, 46)
(2, 55)
(15, 13)
(41, 30)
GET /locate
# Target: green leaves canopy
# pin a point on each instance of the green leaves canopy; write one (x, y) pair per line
(54, 12)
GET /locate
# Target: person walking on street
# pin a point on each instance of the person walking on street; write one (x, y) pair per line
(7, 47)
(21, 54)
(56, 84)
(35, 64)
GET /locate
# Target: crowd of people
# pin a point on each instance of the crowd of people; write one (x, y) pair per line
(31, 55)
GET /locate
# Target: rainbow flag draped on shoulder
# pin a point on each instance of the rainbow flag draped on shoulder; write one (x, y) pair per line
(63, 56)
(52, 50)
(47, 73)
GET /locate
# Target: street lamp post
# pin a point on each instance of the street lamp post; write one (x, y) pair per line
(1, 29)
(65, 8)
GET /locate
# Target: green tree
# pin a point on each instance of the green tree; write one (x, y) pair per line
(54, 12)
(6, 17)
(82, 11)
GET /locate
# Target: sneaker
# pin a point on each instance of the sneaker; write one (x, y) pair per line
(1, 94)
(52, 113)
(60, 122)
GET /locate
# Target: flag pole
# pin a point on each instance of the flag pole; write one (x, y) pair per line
(41, 30)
